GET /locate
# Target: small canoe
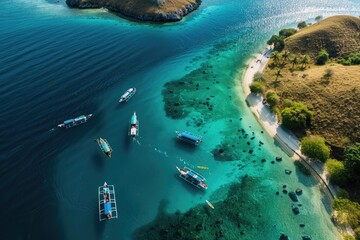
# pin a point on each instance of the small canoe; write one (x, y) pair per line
(203, 167)
(209, 203)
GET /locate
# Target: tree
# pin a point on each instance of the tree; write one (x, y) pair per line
(275, 56)
(296, 115)
(328, 73)
(347, 212)
(319, 18)
(304, 60)
(285, 56)
(259, 77)
(352, 159)
(322, 57)
(315, 147)
(287, 32)
(302, 25)
(294, 60)
(257, 87)
(278, 42)
(277, 75)
(337, 171)
(272, 98)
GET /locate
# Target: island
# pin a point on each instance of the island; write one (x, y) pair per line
(143, 10)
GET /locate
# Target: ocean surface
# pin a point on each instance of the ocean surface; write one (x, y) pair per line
(58, 63)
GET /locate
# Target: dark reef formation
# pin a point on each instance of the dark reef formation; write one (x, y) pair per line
(143, 10)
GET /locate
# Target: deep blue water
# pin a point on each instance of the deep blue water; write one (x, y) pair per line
(57, 63)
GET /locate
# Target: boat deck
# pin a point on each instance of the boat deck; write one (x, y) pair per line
(192, 177)
(114, 212)
(189, 137)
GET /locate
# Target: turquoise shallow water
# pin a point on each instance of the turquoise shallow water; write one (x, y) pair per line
(57, 63)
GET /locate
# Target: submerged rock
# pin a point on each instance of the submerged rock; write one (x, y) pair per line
(293, 196)
(298, 191)
(296, 210)
(284, 237)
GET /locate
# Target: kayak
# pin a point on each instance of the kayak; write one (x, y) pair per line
(209, 203)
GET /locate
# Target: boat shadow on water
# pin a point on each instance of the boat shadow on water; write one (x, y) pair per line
(184, 146)
(98, 161)
(190, 188)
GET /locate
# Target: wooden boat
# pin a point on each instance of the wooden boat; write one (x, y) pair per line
(189, 137)
(134, 126)
(75, 121)
(192, 177)
(107, 202)
(127, 95)
(104, 146)
(209, 203)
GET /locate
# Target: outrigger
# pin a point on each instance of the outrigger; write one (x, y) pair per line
(192, 177)
(75, 121)
(189, 137)
(127, 95)
(134, 126)
(107, 202)
(105, 146)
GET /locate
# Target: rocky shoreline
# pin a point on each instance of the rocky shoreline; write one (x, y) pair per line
(145, 10)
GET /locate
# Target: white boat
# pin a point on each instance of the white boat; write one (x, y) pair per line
(209, 204)
(134, 126)
(75, 121)
(127, 95)
(192, 177)
(107, 202)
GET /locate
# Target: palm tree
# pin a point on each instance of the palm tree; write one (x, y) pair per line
(275, 55)
(277, 75)
(294, 60)
(285, 56)
(304, 60)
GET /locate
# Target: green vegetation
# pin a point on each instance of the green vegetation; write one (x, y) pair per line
(315, 147)
(302, 25)
(287, 32)
(278, 42)
(296, 115)
(257, 87)
(353, 59)
(318, 18)
(322, 57)
(259, 77)
(352, 160)
(347, 212)
(338, 173)
(272, 98)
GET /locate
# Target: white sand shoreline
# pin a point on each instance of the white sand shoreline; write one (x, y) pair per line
(286, 139)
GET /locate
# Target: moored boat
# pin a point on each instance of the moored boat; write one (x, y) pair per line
(189, 137)
(127, 95)
(104, 146)
(209, 204)
(192, 177)
(107, 202)
(134, 126)
(75, 121)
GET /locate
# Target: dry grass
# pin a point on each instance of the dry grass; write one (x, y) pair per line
(334, 101)
(339, 35)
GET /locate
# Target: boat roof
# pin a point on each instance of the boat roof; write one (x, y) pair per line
(68, 121)
(107, 207)
(190, 136)
(80, 118)
(105, 146)
(195, 176)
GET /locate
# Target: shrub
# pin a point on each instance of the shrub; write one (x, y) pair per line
(348, 212)
(348, 237)
(352, 159)
(272, 98)
(257, 87)
(315, 147)
(357, 233)
(322, 57)
(338, 173)
(287, 32)
(328, 73)
(319, 18)
(296, 115)
(302, 25)
(353, 59)
(278, 42)
(259, 77)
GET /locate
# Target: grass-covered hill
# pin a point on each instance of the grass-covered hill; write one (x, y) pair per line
(338, 35)
(331, 91)
(144, 10)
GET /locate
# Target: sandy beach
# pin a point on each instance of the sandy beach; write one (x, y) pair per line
(285, 138)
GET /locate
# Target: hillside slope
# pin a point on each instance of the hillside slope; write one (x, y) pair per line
(144, 10)
(338, 35)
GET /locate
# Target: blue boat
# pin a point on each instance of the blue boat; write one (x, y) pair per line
(104, 146)
(189, 137)
(107, 202)
(134, 126)
(75, 121)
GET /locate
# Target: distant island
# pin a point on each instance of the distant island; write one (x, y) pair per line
(143, 10)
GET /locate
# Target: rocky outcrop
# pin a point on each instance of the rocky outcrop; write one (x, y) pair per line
(143, 10)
